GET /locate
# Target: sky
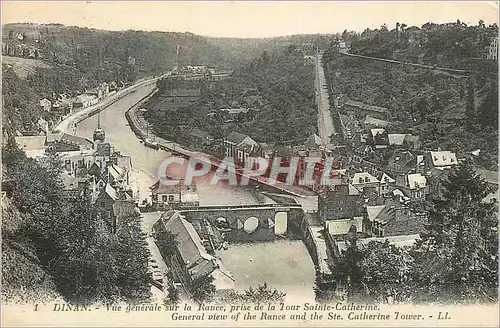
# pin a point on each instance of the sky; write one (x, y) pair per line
(246, 18)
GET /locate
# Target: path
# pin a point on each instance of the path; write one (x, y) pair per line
(325, 123)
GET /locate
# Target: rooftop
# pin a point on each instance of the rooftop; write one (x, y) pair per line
(364, 106)
(416, 181)
(443, 158)
(363, 177)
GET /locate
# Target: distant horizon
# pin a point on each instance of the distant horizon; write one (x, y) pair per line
(246, 20)
(210, 36)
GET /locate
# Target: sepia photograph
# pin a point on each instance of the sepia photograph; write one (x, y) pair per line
(249, 163)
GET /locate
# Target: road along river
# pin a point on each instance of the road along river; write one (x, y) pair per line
(291, 259)
(146, 159)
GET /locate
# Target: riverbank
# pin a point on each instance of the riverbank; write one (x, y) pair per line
(68, 124)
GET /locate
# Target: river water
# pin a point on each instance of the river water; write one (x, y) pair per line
(285, 265)
(119, 134)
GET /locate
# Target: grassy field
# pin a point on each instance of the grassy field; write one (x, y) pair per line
(23, 66)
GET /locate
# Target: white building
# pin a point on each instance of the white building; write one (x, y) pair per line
(493, 50)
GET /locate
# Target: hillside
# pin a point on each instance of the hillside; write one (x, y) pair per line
(454, 45)
(270, 98)
(52, 59)
(450, 111)
(23, 278)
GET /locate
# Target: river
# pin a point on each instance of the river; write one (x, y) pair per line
(119, 134)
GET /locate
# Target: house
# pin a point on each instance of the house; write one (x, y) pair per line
(239, 146)
(192, 260)
(397, 139)
(412, 142)
(200, 139)
(106, 203)
(414, 185)
(363, 180)
(401, 162)
(372, 122)
(386, 184)
(96, 92)
(335, 205)
(361, 109)
(402, 241)
(43, 125)
(490, 177)
(339, 229)
(493, 49)
(379, 138)
(309, 60)
(393, 219)
(196, 68)
(45, 104)
(165, 196)
(84, 101)
(313, 141)
(440, 160)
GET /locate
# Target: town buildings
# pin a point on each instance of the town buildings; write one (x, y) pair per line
(191, 259)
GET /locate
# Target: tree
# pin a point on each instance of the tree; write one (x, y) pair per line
(349, 271)
(488, 111)
(456, 259)
(201, 288)
(471, 101)
(131, 256)
(386, 272)
(167, 242)
(263, 293)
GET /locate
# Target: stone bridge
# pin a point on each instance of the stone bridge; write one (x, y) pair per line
(242, 223)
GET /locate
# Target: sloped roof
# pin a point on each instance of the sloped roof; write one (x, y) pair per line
(284, 151)
(416, 181)
(115, 171)
(161, 188)
(488, 176)
(353, 190)
(111, 192)
(363, 177)
(374, 132)
(342, 226)
(385, 178)
(397, 139)
(238, 138)
(443, 158)
(190, 246)
(336, 206)
(199, 133)
(411, 138)
(364, 106)
(77, 140)
(51, 137)
(124, 162)
(374, 211)
(313, 140)
(376, 122)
